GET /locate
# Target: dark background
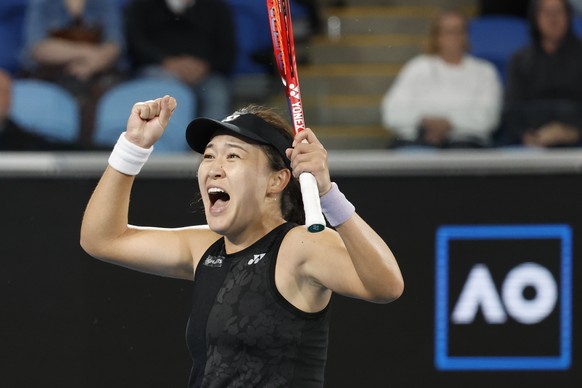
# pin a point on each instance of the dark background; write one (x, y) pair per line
(67, 320)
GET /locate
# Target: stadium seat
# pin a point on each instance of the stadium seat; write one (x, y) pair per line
(496, 38)
(577, 26)
(45, 108)
(115, 106)
(12, 14)
(253, 35)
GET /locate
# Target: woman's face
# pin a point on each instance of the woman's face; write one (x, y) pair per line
(552, 20)
(233, 178)
(452, 35)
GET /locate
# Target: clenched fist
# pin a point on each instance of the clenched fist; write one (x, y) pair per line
(148, 120)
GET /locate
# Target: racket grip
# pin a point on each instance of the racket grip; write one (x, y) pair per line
(314, 220)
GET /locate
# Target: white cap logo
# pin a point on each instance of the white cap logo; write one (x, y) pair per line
(231, 117)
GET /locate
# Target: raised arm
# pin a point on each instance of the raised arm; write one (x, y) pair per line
(105, 233)
(353, 260)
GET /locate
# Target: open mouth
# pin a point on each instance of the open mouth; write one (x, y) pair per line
(218, 197)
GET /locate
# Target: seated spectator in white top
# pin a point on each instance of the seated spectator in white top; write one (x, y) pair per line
(446, 98)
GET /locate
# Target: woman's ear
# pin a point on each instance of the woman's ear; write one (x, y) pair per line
(279, 180)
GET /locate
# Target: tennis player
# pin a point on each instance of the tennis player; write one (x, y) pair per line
(262, 283)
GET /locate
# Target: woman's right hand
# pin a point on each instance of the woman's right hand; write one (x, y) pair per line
(148, 120)
(308, 155)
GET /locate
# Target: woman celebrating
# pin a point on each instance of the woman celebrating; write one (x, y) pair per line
(262, 282)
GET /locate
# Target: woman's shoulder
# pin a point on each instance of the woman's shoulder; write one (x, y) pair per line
(197, 240)
(421, 61)
(422, 64)
(472, 60)
(526, 54)
(201, 231)
(199, 236)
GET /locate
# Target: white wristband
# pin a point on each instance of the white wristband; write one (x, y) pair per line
(128, 158)
(335, 206)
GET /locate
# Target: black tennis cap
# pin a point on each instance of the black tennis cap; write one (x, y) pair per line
(250, 126)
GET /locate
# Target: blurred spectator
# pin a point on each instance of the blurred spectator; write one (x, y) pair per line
(11, 25)
(508, 7)
(77, 44)
(15, 138)
(544, 90)
(191, 40)
(446, 98)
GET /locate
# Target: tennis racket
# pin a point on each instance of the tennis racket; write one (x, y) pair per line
(284, 50)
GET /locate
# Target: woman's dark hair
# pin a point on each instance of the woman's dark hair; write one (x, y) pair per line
(534, 29)
(291, 201)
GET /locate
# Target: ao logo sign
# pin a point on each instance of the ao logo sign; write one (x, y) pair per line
(479, 292)
(503, 297)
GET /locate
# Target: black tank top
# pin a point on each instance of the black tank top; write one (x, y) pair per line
(242, 332)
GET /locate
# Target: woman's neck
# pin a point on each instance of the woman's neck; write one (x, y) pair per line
(452, 58)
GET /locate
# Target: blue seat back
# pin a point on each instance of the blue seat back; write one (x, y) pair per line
(577, 26)
(12, 14)
(253, 34)
(115, 105)
(45, 108)
(496, 38)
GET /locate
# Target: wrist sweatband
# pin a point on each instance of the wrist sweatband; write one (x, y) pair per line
(335, 206)
(128, 158)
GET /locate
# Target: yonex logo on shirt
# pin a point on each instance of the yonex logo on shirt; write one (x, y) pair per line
(256, 259)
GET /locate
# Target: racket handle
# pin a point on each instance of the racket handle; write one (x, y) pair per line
(310, 193)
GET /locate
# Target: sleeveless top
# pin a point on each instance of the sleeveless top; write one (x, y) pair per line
(242, 332)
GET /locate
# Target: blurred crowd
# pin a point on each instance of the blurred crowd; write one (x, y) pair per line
(90, 47)
(448, 98)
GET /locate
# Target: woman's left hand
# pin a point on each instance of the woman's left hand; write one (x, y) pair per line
(552, 134)
(309, 155)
